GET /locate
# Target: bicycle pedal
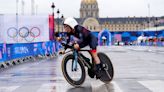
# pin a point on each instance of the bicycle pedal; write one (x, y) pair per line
(103, 65)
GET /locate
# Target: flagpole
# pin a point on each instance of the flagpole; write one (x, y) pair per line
(148, 16)
(17, 1)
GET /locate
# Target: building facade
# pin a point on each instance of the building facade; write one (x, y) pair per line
(89, 18)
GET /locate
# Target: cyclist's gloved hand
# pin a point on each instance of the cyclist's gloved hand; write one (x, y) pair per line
(59, 39)
(76, 46)
(61, 52)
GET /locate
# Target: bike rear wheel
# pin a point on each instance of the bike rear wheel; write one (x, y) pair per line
(73, 77)
(107, 72)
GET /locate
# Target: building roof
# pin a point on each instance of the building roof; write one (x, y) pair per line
(123, 20)
(88, 1)
(116, 20)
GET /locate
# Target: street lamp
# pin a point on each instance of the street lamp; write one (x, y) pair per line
(17, 1)
(143, 27)
(62, 17)
(156, 25)
(53, 24)
(148, 23)
(58, 19)
(53, 6)
(17, 7)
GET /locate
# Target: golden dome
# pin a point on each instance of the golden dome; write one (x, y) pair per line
(88, 1)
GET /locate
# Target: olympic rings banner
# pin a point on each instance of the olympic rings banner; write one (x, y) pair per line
(24, 29)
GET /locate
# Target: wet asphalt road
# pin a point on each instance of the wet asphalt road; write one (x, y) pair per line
(137, 69)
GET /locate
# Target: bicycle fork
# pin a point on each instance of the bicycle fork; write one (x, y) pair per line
(74, 62)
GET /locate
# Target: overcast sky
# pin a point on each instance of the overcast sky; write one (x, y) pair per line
(107, 8)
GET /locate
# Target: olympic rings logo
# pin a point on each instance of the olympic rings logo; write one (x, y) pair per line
(23, 33)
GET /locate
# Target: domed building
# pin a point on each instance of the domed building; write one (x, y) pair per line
(89, 8)
(89, 18)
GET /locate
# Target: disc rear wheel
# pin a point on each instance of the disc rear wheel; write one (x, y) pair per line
(107, 72)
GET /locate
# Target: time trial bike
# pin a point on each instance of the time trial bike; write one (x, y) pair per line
(74, 65)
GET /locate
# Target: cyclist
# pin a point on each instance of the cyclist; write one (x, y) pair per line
(85, 37)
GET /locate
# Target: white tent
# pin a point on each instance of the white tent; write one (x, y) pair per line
(141, 38)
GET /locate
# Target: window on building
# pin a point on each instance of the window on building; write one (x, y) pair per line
(94, 28)
(86, 13)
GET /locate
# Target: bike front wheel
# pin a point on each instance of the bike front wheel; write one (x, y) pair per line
(74, 77)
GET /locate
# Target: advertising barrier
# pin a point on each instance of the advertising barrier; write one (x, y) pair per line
(20, 50)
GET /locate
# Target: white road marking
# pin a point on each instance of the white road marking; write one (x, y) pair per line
(53, 87)
(8, 88)
(154, 85)
(99, 86)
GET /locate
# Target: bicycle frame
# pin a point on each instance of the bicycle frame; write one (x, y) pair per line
(88, 64)
(77, 56)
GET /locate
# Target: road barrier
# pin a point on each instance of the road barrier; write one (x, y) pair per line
(13, 54)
